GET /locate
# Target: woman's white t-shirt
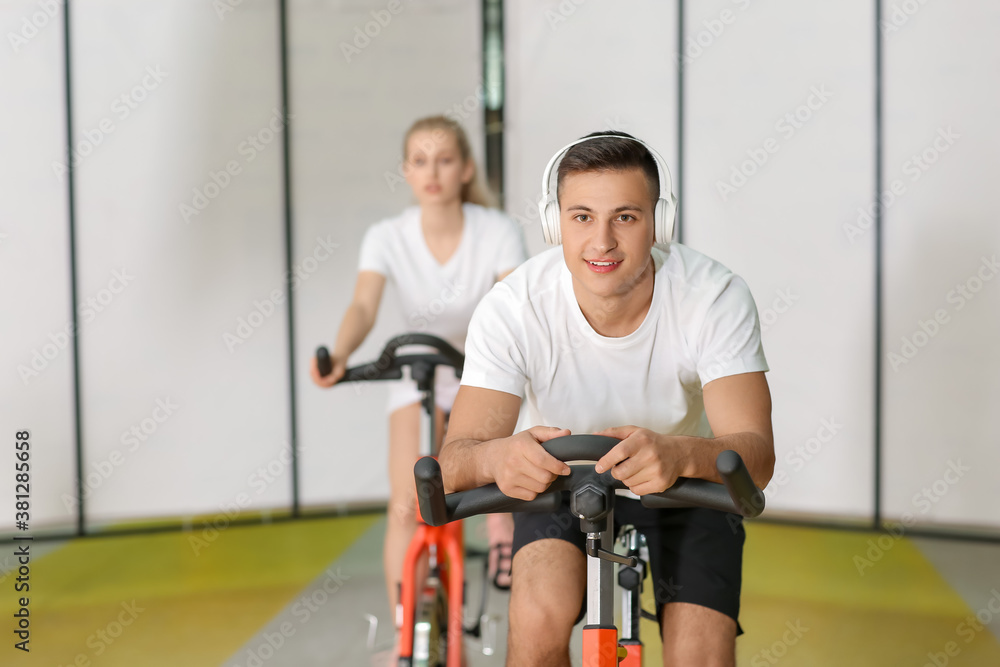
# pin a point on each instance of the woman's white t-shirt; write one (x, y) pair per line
(529, 338)
(437, 298)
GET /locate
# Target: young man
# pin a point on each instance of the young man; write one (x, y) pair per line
(658, 346)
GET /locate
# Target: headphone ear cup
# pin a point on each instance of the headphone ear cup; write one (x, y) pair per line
(666, 208)
(548, 210)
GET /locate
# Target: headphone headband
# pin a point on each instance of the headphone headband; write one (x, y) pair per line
(663, 214)
(661, 166)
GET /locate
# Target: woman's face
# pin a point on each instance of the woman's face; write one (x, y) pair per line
(434, 167)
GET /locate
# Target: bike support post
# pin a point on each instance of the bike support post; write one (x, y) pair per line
(600, 636)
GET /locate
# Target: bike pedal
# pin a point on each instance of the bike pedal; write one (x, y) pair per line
(372, 630)
(489, 624)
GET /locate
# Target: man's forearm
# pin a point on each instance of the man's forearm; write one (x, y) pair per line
(465, 464)
(757, 453)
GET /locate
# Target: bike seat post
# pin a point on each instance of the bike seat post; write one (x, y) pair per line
(600, 577)
(423, 374)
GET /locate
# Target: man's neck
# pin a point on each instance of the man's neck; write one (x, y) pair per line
(619, 315)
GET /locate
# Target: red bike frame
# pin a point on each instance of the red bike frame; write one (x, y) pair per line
(447, 543)
(444, 542)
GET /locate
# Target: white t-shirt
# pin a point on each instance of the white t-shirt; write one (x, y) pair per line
(529, 338)
(440, 299)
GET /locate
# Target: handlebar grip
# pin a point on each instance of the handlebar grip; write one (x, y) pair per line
(736, 495)
(688, 492)
(582, 447)
(323, 361)
(744, 493)
(490, 499)
(437, 509)
(430, 491)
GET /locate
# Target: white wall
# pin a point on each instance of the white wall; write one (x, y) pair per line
(352, 107)
(792, 229)
(767, 196)
(169, 334)
(196, 87)
(36, 359)
(942, 385)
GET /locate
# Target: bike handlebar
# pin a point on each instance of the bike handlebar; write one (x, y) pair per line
(737, 494)
(389, 366)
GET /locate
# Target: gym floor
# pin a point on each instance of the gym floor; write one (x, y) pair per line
(299, 594)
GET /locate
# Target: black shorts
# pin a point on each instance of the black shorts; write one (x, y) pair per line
(696, 554)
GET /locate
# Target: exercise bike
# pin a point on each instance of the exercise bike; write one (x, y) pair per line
(592, 499)
(430, 617)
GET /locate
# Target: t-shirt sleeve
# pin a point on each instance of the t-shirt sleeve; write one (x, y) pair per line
(728, 342)
(374, 255)
(510, 247)
(493, 357)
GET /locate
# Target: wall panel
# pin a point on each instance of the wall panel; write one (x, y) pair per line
(779, 147)
(184, 361)
(36, 358)
(942, 239)
(360, 74)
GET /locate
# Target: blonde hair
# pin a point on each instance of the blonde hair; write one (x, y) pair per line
(474, 192)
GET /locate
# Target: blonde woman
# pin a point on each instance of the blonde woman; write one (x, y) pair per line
(448, 250)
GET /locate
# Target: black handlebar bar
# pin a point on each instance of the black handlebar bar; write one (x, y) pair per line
(389, 366)
(737, 494)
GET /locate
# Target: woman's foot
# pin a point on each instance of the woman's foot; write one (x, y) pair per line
(500, 529)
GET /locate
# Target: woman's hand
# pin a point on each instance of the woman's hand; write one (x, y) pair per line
(339, 368)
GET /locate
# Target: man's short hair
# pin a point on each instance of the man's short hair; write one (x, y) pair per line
(607, 153)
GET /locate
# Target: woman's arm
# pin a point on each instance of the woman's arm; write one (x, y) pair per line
(354, 327)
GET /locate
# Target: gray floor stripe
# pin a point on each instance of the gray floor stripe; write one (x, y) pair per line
(324, 628)
(973, 570)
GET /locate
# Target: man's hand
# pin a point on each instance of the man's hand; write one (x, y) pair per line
(520, 465)
(644, 460)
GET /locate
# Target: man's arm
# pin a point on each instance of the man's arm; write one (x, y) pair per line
(738, 408)
(480, 448)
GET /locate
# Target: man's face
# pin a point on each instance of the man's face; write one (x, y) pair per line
(606, 219)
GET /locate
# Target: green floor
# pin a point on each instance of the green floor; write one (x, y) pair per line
(300, 594)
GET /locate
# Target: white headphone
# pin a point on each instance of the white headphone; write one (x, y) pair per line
(663, 213)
